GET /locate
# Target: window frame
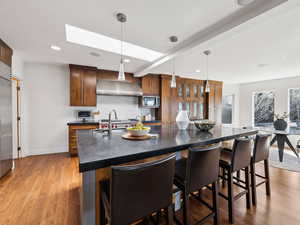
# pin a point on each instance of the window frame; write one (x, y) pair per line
(288, 105)
(253, 107)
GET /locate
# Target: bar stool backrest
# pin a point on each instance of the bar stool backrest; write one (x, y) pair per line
(241, 156)
(139, 190)
(261, 147)
(202, 167)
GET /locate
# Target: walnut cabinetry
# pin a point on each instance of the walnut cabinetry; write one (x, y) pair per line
(73, 136)
(5, 53)
(151, 85)
(214, 101)
(83, 81)
(190, 97)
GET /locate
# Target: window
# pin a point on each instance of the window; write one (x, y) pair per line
(263, 107)
(294, 104)
(227, 106)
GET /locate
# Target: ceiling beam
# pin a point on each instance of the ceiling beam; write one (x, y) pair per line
(235, 19)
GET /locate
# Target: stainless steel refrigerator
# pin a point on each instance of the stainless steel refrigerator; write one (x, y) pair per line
(6, 156)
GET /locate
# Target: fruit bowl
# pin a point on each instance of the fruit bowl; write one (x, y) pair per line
(138, 132)
(204, 125)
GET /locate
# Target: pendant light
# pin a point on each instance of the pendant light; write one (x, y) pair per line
(122, 19)
(173, 39)
(207, 87)
(173, 80)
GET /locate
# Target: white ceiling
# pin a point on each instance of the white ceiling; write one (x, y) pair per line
(273, 38)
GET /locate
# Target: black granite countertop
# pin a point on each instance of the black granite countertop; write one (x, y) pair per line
(151, 121)
(80, 122)
(96, 151)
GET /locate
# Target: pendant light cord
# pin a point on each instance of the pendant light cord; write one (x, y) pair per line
(122, 39)
(207, 67)
(173, 66)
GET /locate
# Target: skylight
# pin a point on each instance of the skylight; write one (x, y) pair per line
(87, 38)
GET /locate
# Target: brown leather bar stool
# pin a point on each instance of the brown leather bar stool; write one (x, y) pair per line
(260, 153)
(200, 169)
(232, 161)
(135, 192)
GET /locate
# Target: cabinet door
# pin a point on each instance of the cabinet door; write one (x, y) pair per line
(179, 90)
(76, 87)
(151, 85)
(195, 91)
(89, 88)
(195, 109)
(200, 111)
(180, 106)
(215, 103)
(187, 91)
(5, 53)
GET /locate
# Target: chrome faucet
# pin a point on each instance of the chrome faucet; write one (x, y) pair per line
(109, 120)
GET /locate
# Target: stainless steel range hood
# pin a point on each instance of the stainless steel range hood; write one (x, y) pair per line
(113, 87)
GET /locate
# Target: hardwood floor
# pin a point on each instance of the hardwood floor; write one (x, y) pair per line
(44, 190)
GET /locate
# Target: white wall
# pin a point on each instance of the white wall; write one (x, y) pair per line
(46, 108)
(280, 88)
(233, 89)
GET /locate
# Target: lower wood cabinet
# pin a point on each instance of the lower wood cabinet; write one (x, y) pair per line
(73, 136)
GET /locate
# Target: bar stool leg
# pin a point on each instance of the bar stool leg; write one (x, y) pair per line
(102, 215)
(253, 183)
(247, 183)
(169, 217)
(230, 197)
(200, 193)
(185, 208)
(238, 175)
(267, 175)
(215, 192)
(224, 176)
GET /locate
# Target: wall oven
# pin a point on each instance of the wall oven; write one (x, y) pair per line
(150, 101)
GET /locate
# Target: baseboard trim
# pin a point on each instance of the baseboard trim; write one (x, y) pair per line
(45, 151)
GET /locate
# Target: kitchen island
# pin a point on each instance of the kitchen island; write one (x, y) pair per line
(97, 153)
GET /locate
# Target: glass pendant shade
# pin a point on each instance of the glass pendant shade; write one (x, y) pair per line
(121, 71)
(173, 81)
(207, 87)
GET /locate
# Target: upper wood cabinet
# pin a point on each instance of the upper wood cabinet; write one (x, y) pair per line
(113, 75)
(189, 96)
(151, 85)
(5, 53)
(83, 82)
(214, 101)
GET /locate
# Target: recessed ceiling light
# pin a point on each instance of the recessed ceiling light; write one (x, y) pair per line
(244, 2)
(263, 65)
(95, 54)
(56, 48)
(87, 38)
(127, 60)
(197, 71)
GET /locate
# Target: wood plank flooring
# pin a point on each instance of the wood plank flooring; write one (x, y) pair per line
(44, 190)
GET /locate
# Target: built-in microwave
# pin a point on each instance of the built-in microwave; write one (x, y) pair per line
(150, 101)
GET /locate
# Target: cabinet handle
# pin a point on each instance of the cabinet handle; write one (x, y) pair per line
(82, 98)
